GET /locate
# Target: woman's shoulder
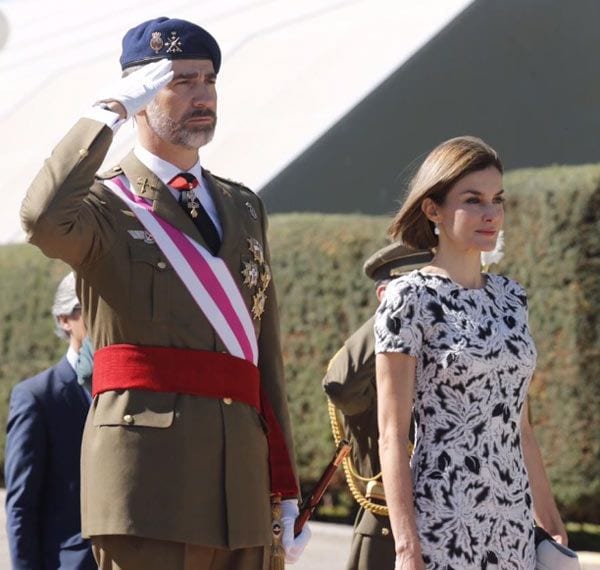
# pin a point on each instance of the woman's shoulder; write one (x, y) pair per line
(508, 286)
(398, 318)
(407, 284)
(405, 291)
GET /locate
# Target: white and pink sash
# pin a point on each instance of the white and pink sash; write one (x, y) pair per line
(205, 276)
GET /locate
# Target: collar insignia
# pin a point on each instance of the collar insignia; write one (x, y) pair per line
(143, 185)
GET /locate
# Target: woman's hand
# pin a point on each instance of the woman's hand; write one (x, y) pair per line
(558, 532)
(409, 561)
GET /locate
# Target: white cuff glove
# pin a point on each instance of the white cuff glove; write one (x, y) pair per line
(135, 91)
(293, 546)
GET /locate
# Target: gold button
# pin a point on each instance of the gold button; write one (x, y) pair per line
(128, 418)
(385, 531)
(227, 401)
(161, 264)
(83, 152)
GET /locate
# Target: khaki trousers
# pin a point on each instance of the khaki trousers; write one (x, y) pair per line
(371, 553)
(120, 552)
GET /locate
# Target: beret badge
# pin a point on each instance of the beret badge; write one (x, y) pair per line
(174, 44)
(156, 43)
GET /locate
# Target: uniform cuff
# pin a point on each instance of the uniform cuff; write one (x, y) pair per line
(110, 119)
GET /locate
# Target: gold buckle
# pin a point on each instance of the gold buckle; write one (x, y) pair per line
(375, 491)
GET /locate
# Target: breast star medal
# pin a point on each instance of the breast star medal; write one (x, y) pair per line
(265, 277)
(250, 274)
(256, 250)
(257, 276)
(258, 304)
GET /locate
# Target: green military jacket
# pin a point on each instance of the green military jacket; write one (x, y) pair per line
(350, 385)
(159, 465)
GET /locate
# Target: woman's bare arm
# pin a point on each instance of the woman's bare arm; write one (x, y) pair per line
(544, 508)
(395, 392)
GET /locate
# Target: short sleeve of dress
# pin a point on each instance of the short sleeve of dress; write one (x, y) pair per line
(398, 325)
(517, 296)
(518, 291)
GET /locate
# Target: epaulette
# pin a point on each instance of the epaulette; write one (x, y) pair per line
(234, 183)
(114, 171)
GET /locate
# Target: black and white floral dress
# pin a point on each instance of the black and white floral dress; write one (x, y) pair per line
(475, 357)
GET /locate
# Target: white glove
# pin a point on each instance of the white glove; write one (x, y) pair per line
(293, 546)
(135, 91)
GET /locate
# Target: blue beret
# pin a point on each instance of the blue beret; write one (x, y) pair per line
(168, 38)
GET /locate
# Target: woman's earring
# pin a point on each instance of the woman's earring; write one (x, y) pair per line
(436, 230)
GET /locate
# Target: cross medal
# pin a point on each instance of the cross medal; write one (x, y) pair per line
(192, 203)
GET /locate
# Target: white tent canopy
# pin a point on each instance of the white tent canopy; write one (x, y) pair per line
(291, 69)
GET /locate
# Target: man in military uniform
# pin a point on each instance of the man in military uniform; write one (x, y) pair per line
(189, 433)
(350, 386)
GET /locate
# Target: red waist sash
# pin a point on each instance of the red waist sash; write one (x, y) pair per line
(197, 373)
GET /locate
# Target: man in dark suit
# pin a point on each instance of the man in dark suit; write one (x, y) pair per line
(45, 426)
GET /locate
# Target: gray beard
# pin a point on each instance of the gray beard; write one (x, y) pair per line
(176, 133)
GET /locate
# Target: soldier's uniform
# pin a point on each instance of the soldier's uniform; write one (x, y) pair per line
(350, 385)
(160, 464)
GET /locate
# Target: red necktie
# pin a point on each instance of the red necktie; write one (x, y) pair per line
(185, 183)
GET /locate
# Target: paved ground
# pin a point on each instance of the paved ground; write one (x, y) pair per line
(327, 549)
(330, 543)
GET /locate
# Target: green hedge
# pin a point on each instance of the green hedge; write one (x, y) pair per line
(553, 249)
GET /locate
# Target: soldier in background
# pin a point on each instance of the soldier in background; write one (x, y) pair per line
(350, 386)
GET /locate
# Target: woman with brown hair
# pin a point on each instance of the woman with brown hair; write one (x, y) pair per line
(453, 344)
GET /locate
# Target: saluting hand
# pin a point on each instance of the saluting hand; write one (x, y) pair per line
(135, 91)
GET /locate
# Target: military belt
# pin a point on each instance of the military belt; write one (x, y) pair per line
(181, 370)
(197, 373)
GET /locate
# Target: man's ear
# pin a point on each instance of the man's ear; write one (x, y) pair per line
(64, 324)
(380, 291)
(430, 209)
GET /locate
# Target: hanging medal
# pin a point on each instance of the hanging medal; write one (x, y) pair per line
(192, 203)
